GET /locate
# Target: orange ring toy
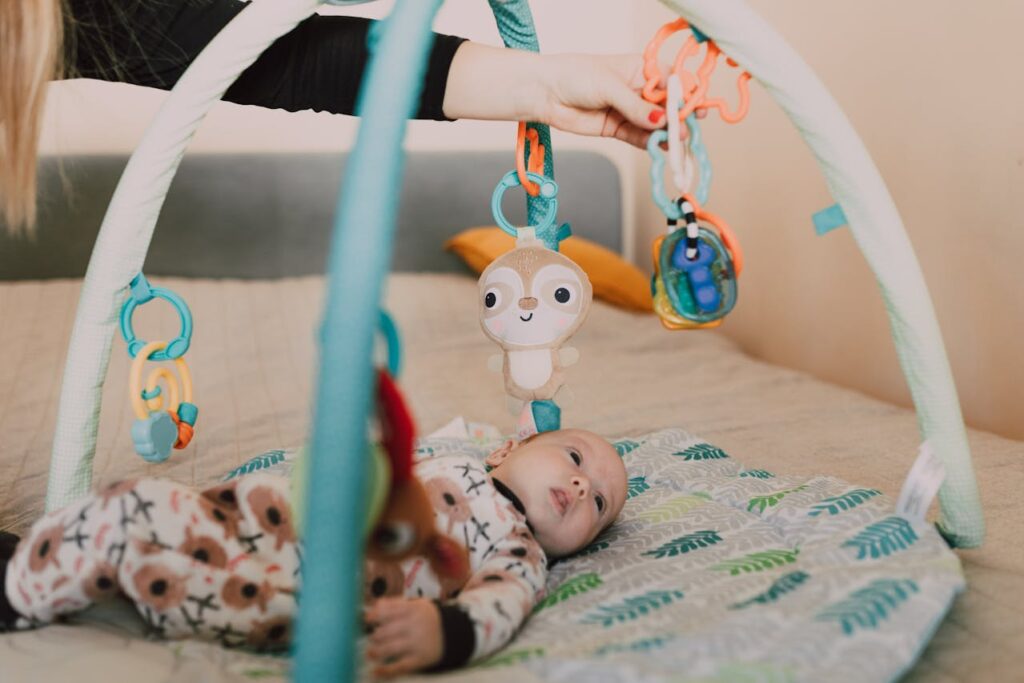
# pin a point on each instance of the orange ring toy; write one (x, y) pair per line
(185, 431)
(536, 158)
(652, 74)
(743, 103)
(726, 233)
(695, 86)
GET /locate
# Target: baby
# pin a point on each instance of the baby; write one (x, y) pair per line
(544, 498)
(223, 564)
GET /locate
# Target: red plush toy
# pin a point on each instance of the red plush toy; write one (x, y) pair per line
(406, 526)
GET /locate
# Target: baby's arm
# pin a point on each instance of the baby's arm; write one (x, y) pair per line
(484, 617)
(406, 635)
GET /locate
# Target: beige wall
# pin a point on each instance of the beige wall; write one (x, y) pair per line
(936, 99)
(935, 93)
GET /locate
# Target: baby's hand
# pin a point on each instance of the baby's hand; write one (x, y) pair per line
(406, 635)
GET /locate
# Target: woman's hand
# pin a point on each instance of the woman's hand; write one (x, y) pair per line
(406, 635)
(585, 94)
(599, 95)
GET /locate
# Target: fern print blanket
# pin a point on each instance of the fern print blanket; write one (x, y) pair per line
(715, 572)
(719, 573)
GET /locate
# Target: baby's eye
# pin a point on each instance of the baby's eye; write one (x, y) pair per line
(576, 458)
(600, 503)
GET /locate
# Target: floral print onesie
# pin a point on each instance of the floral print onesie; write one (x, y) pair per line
(223, 564)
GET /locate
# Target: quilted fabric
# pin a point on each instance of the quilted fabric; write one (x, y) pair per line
(715, 572)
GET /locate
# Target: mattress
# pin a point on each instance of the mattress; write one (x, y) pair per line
(253, 359)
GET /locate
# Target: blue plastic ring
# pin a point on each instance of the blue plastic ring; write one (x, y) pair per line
(177, 347)
(700, 154)
(548, 190)
(394, 343)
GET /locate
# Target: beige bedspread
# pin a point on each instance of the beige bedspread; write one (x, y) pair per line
(253, 356)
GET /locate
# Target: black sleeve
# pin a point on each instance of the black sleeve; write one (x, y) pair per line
(319, 65)
(458, 637)
(8, 617)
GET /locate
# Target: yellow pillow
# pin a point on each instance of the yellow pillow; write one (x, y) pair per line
(614, 280)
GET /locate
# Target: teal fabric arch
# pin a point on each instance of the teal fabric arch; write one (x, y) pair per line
(361, 249)
(858, 188)
(515, 24)
(360, 252)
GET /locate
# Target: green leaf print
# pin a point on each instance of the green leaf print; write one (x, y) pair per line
(257, 674)
(637, 485)
(757, 562)
(632, 608)
(260, 462)
(701, 451)
(626, 446)
(847, 501)
(868, 607)
(642, 645)
(574, 586)
(514, 657)
(749, 672)
(758, 474)
(684, 544)
(594, 547)
(673, 508)
(882, 539)
(771, 500)
(786, 584)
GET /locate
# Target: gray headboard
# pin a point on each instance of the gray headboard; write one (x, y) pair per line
(271, 215)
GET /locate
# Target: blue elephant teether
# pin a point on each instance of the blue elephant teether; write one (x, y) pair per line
(698, 274)
(155, 436)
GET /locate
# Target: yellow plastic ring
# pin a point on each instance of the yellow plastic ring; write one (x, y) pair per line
(142, 406)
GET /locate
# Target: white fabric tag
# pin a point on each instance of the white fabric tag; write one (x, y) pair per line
(525, 237)
(455, 429)
(525, 425)
(923, 482)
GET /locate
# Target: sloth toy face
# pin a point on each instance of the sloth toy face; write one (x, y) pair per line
(532, 297)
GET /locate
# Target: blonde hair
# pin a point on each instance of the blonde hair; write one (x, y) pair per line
(31, 40)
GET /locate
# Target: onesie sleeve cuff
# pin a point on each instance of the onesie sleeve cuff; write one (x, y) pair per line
(458, 636)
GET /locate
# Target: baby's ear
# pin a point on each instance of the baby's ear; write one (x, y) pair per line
(498, 456)
(448, 557)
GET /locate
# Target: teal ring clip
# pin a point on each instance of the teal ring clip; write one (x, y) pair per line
(142, 292)
(548, 190)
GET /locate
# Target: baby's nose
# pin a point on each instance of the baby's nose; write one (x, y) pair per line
(528, 303)
(582, 485)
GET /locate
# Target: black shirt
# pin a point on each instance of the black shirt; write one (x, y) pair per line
(318, 65)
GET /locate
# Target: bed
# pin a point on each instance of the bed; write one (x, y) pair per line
(253, 355)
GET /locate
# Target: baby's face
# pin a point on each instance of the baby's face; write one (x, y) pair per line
(571, 482)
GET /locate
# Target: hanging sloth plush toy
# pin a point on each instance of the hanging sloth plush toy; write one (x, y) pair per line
(532, 300)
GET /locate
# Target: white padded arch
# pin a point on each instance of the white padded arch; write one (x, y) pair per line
(128, 225)
(857, 186)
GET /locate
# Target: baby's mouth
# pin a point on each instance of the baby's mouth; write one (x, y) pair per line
(560, 499)
(526, 320)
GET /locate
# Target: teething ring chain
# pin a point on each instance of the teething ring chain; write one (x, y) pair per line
(695, 88)
(724, 231)
(742, 105)
(651, 91)
(536, 158)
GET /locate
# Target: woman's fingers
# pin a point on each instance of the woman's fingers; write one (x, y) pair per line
(632, 107)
